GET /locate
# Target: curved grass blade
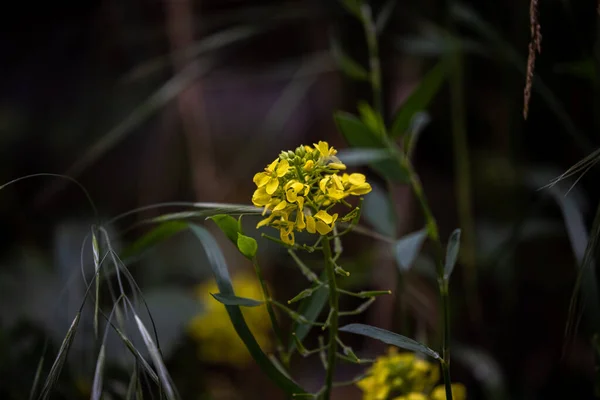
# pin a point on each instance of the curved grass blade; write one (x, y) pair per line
(163, 374)
(390, 338)
(223, 280)
(98, 375)
(230, 300)
(59, 362)
(38, 373)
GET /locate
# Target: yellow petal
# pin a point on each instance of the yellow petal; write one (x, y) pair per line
(280, 206)
(300, 224)
(323, 228)
(357, 179)
(271, 167)
(291, 196)
(323, 184)
(272, 185)
(260, 198)
(308, 166)
(323, 148)
(261, 179)
(282, 168)
(335, 165)
(324, 216)
(336, 194)
(264, 221)
(310, 224)
(359, 189)
(338, 182)
(286, 237)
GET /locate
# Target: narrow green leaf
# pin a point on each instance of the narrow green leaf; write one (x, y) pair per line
(223, 280)
(418, 122)
(359, 157)
(379, 212)
(161, 369)
(228, 225)
(98, 375)
(384, 15)
(418, 100)
(353, 7)
(390, 338)
(247, 246)
(452, 253)
(408, 247)
(60, 359)
(231, 300)
(359, 135)
(157, 235)
(346, 64)
(371, 118)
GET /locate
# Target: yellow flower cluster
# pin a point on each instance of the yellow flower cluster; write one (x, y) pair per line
(218, 341)
(403, 376)
(300, 187)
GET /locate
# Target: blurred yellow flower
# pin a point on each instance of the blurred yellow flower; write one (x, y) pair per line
(217, 339)
(300, 187)
(403, 376)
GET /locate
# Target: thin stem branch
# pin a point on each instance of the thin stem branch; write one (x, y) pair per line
(276, 328)
(333, 318)
(374, 63)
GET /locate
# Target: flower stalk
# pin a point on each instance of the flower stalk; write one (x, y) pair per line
(333, 318)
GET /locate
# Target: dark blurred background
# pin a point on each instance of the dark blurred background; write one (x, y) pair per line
(146, 102)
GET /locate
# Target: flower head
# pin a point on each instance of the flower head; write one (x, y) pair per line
(301, 187)
(218, 341)
(403, 376)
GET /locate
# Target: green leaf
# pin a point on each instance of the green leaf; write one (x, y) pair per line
(451, 253)
(359, 135)
(407, 248)
(418, 100)
(223, 280)
(371, 118)
(353, 7)
(228, 225)
(384, 15)
(346, 64)
(378, 210)
(158, 234)
(359, 157)
(418, 122)
(247, 246)
(231, 300)
(390, 338)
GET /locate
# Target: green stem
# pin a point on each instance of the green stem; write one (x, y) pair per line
(333, 320)
(463, 177)
(285, 358)
(433, 232)
(446, 338)
(374, 63)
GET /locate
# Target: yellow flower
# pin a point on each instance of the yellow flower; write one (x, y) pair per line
(403, 376)
(459, 392)
(300, 187)
(217, 340)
